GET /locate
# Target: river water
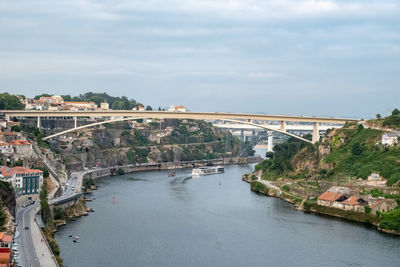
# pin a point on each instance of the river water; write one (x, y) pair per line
(147, 219)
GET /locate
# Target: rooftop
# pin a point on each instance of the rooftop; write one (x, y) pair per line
(19, 142)
(7, 171)
(352, 201)
(329, 196)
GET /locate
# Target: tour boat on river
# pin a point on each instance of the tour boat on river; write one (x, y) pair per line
(208, 170)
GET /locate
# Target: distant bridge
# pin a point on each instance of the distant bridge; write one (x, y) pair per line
(123, 115)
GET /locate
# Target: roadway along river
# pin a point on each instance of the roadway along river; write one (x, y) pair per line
(212, 221)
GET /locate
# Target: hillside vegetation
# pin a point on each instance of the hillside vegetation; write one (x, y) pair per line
(343, 154)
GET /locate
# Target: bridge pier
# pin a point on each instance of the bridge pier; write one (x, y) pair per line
(283, 126)
(38, 122)
(75, 121)
(270, 143)
(315, 134)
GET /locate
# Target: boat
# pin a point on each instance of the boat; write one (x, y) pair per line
(171, 173)
(75, 238)
(208, 170)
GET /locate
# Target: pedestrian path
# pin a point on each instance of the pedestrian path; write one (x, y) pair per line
(43, 252)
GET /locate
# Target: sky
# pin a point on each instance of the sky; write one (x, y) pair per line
(298, 57)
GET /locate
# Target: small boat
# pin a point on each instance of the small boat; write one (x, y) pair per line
(207, 170)
(75, 238)
(171, 173)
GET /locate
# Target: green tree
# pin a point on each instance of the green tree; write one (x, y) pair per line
(10, 102)
(15, 128)
(149, 108)
(269, 154)
(395, 112)
(44, 205)
(66, 97)
(356, 149)
(37, 97)
(379, 116)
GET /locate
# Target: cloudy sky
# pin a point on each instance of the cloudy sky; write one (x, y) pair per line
(328, 58)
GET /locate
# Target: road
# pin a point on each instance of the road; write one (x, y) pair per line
(26, 247)
(72, 188)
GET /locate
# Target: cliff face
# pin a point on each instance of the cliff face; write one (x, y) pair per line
(133, 142)
(7, 206)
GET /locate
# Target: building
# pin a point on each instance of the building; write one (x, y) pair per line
(52, 100)
(5, 148)
(5, 249)
(9, 136)
(29, 181)
(33, 104)
(77, 105)
(330, 199)
(383, 205)
(180, 109)
(171, 108)
(374, 177)
(104, 106)
(21, 147)
(5, 240)
(354, 203)
(389, 139)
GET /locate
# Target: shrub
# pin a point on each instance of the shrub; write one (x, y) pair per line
(286, 188)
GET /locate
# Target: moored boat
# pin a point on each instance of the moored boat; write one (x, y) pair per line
(207, 170)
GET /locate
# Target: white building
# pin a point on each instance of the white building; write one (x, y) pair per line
(5, 148)
(29, 180)
(180, 108)
(389, 139)
(171, 108)
(104, 106)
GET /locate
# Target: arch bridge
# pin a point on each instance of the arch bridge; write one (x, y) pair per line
(111, 116)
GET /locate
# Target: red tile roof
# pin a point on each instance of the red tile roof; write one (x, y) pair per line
(5, 238)
(7, 133)
(381, 201)
(19, 142)
(7, 171)
(329, 196)
(352, 201)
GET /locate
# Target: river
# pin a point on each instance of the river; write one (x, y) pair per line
(147, 219)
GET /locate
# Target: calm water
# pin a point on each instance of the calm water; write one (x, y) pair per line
(212, 221)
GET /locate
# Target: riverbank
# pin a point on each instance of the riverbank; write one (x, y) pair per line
(117, 170)
(311, 206)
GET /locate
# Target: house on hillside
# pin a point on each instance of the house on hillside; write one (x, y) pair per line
(9, 136)
(383, 205)
(330, 199)
(390, 139)
(21, 147)
(355, 203)
(5, 148)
